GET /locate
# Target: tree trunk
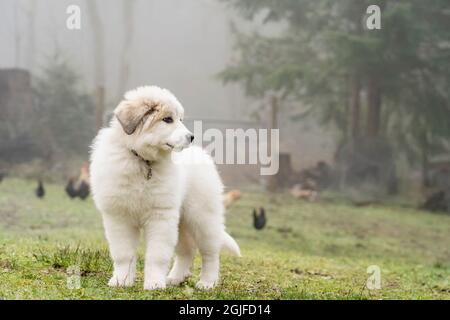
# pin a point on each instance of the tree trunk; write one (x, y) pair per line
(374, 108)
(355, 106)
(128, 13)
(425, 163)
(99, 62)
(355, 81)
(272, 184)
(31, 26)
(17, 38)
(99, 109)
(286, 172)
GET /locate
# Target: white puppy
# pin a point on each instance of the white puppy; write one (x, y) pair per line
(137, 185)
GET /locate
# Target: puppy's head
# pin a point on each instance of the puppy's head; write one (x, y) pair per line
(151, 118)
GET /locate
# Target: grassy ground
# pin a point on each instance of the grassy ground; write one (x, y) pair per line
(308, 251)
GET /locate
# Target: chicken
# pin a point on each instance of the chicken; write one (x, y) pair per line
(70, 188)
(84, 173)
(304, 194)
(79, 187)
(40, 190)
(84, 185)
(83, 190)
(230, 197)
(2, 176)
(438, 201)
(259, 220)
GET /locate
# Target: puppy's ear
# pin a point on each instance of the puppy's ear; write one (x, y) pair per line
(130, 114)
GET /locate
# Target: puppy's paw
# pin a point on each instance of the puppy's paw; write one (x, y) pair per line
(206, 285)
(121, 281)
(174, 280)
(154, 284)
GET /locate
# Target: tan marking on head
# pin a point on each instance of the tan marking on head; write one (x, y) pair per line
(132, 113)
(162, 112)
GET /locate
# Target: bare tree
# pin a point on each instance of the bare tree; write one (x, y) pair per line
(274, 109)
(355, 106)
(99, 48)
(374, 104)
(17, 38)
(128, 17)
(31, 26)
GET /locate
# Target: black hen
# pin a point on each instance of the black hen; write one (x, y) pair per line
(437, 202)
(259, 220)
(40, 190)
(70, 188)
(77, 189)
(83, 190)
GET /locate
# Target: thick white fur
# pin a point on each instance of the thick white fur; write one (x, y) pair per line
(179, 209)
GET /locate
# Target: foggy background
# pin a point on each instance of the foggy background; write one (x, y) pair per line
(198, 49)
(180, 45)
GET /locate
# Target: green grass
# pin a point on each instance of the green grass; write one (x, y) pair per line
(307, 251)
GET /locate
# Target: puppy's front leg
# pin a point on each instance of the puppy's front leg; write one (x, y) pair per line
(161, 233)
(123, 239)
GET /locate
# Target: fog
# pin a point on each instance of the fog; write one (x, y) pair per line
(187, 46)
(180, 45)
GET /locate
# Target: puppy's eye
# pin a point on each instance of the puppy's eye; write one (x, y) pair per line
(168, 120)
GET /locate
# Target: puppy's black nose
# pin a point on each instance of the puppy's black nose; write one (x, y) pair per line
(190, 137)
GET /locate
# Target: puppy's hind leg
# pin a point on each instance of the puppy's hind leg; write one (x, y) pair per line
(123, 239)
(185, 252)
(209, 244)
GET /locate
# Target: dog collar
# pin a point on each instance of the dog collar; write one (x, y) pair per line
(148, 164)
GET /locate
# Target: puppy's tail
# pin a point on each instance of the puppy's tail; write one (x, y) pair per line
(230, 245)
